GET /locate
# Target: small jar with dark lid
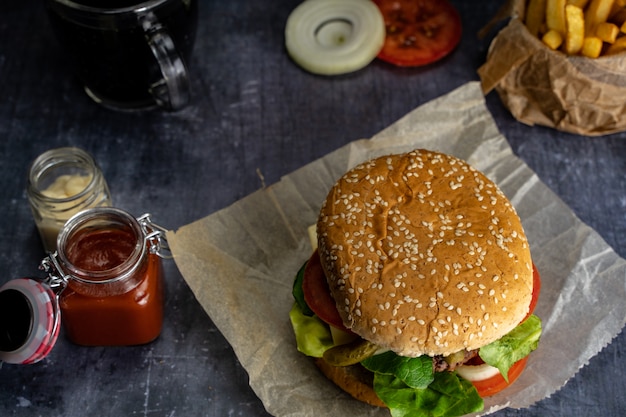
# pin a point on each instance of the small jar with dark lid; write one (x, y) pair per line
(62, 182)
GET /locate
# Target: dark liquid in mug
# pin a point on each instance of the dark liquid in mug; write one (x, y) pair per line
(112, 57)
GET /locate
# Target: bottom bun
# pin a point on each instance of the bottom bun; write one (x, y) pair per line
(355, 380)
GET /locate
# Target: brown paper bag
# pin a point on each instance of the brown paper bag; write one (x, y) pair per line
(540, 86)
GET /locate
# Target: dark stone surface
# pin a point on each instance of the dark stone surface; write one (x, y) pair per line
(253, 111)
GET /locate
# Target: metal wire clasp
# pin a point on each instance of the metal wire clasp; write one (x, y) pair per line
(56, 279)
(155, 237)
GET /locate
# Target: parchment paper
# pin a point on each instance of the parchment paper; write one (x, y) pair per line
(240, 263)
(545, 87)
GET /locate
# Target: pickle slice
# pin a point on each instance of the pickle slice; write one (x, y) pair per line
(350, 353)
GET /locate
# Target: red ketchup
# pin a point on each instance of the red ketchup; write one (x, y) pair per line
(115, 295)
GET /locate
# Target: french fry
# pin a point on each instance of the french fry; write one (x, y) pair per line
(552, 39)
(617, 6)
(575, 23)
(535, 16)
(555, 16)
(589, 28)
(597, 12)
(592, 47)
(607, 32)
(617, 47)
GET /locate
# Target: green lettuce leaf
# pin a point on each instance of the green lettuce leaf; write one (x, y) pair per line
(447, 396)
(414, 372)
(515, 345)
(313, 336)
(298, 293)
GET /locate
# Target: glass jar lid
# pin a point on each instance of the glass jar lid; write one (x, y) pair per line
(29, 321)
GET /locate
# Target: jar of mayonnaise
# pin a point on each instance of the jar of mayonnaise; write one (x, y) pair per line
(62, 182)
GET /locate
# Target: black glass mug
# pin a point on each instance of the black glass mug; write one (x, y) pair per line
(129, 54)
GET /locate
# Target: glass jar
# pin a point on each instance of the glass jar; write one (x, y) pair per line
(114, 292)
(105, 281)
(62, 182)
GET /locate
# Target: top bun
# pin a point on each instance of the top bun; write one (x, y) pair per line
(424, 254)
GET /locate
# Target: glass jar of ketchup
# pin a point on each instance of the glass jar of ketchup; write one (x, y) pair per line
(105, 281)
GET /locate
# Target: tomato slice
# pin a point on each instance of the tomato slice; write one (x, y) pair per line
(418, 31)
(536, 291)
(495, 384)
(317, 293)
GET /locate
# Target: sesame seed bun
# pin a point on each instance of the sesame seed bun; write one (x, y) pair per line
(424, 255)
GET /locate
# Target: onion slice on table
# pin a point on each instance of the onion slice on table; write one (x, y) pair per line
(331, 37)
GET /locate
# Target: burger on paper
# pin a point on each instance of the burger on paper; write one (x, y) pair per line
(420, 292)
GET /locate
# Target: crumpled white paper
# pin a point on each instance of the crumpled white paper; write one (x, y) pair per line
(240, 263)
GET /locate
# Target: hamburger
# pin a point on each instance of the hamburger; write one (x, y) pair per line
(420, 292)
